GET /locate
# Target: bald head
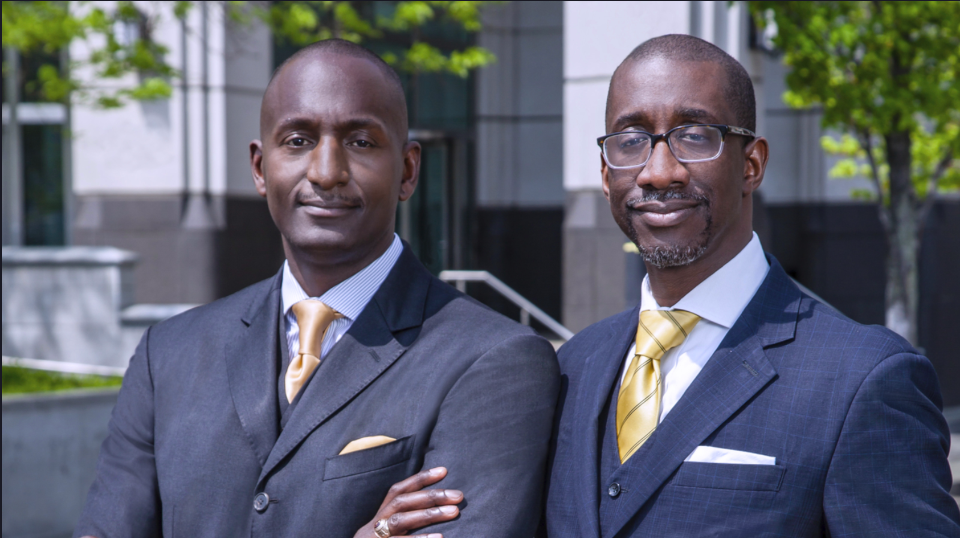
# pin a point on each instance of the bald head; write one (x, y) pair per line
(388, 82)
(737, 88)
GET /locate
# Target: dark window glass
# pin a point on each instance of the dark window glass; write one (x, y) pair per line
(42, 184)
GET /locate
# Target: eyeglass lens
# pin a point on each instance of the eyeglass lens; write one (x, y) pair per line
(688, 144)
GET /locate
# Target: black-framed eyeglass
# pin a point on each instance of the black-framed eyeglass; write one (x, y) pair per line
(688, 144)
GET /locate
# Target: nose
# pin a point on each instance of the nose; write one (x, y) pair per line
(663, 171)
(328, 165)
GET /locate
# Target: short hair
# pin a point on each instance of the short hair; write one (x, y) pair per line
(738, 89)
(346, 48)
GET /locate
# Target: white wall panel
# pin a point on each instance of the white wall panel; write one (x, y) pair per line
(598, 35)
(583, 109)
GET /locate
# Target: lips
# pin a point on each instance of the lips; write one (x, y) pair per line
(663, 214)
(323, 208)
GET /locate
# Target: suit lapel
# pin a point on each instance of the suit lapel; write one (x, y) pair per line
(361, 355)
(250, 361)
(599, 376)
(736, 372)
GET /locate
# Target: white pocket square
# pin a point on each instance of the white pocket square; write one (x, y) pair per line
(712, 454)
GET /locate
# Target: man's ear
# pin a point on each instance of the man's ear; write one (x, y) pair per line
(755, 163)
(411, 170)
(256, 167)
(604, 175)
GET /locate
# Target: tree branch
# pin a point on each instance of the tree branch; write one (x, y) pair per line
(867, 144)
(933, 182)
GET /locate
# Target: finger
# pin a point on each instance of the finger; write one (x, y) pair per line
(434, 535)
(415, 483)
(419, 500)
(404, 522)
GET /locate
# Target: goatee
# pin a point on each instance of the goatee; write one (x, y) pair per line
(662, 257)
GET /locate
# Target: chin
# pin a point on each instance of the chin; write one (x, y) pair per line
(322, 241)
(663, 257)
(664, 254)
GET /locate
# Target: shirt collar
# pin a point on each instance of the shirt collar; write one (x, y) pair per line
(351, 296)
(723, 296)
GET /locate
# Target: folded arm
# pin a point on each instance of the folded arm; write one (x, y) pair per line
(492, 434)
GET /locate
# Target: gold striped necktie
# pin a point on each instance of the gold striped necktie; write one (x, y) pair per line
(313, 319)
(638, 406)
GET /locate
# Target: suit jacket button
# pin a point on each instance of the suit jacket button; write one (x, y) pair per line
(614, 490)
(261, 501)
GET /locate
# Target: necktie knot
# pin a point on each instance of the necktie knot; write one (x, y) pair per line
(661, 330)
(313, 319)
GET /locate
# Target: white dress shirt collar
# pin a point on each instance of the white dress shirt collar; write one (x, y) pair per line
(723, 296)
(351, 296)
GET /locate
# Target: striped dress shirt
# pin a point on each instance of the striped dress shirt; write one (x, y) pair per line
(349, 298)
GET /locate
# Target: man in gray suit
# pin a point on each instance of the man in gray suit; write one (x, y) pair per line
(290, 408)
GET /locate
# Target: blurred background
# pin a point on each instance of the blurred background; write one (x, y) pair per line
(127, 195)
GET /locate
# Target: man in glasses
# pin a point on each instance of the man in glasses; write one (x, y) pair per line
(728, 402)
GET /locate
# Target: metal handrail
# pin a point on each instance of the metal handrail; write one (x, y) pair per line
(527, 308)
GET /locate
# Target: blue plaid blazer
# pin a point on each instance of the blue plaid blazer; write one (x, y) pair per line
(852, 413)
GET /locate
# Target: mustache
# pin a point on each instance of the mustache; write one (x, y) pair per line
(663, 196)
(328, 198)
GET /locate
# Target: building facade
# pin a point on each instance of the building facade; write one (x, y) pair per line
(510, 181)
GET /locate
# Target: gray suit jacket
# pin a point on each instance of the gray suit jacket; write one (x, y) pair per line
(195, 434)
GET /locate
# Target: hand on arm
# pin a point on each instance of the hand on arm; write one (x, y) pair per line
(408, 507)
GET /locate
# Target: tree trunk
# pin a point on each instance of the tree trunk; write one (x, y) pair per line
(903, 241)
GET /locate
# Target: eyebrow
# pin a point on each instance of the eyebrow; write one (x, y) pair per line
(361, 123)
(292, 123)
(684, 114)
(696, 114)
(630, 118)
(352, 124)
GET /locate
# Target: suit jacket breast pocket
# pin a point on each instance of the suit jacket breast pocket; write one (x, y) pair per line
(369, 460)
(729, 476)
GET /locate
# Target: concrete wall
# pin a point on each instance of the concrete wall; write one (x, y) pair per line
(74, 304)
(65, 303)
(50, 447)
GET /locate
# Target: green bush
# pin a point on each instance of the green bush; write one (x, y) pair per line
(23, 380)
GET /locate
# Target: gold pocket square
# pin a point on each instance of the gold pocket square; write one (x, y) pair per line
(364, 443)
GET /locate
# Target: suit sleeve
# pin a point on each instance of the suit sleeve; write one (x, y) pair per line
(889, 475)
(492, 434)
(124, 499)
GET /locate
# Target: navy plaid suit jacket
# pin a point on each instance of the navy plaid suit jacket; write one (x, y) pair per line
(852, 414)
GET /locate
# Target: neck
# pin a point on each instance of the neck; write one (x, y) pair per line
(670, 284)
(318, 272)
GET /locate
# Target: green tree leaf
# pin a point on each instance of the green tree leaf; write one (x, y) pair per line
(51, 26)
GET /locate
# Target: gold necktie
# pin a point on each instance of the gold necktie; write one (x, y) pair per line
(638, 407)
(313, 319)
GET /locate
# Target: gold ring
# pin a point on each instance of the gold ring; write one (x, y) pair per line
(382, 528)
